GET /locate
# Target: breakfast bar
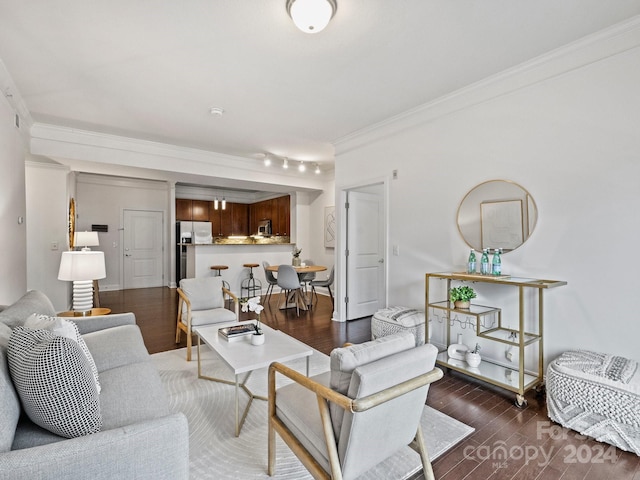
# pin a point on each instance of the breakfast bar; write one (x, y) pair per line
(200, 257)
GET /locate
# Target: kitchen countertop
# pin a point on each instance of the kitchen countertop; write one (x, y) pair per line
(238, 242)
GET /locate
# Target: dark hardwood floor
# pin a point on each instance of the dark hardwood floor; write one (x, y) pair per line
(509, 443)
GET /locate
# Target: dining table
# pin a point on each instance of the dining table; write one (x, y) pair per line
(300, 269)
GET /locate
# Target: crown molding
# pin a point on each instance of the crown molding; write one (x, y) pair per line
(615, 40)
(109, 150)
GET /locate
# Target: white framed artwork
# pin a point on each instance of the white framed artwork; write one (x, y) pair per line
(330, 227)
(501, 224)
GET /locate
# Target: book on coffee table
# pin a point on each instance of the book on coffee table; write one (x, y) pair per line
(236, 332)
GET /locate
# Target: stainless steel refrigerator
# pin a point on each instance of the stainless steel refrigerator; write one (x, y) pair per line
(189, 232)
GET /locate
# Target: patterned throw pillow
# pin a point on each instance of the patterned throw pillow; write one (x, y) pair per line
(64, 328)
(54, 381)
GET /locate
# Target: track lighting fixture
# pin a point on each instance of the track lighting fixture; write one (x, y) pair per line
(269, 159)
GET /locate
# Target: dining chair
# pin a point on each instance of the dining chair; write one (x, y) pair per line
(201, 302)
(289, 282)
(323, 283)
(307, 278)
(271, 280)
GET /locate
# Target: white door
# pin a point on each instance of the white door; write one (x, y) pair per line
(142, 244)
(365, 254)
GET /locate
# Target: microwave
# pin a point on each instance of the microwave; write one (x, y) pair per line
(264, 227)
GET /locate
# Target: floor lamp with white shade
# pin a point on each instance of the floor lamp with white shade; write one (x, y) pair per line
(82, 267)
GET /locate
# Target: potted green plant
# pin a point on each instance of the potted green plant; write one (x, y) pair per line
(461, 296)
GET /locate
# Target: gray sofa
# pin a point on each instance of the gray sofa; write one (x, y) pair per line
(140, 437)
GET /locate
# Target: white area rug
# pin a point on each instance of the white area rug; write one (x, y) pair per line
(215, 452)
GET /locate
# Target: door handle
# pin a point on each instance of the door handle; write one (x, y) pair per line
(381, 260)
(127, 254)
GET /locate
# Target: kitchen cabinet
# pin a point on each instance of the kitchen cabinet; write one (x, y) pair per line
(192, 210)
(260, 211)
(488, 323)
(200, 210)
(240, 219)
(233, 220)
(183, 210)
(277, 210)
(281, 222)
(237, 218)
(226, 228)
(216, 220)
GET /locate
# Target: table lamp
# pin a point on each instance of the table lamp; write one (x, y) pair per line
(82, 267)
(86, 240)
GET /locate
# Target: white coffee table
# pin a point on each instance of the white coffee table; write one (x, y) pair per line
(243, 357)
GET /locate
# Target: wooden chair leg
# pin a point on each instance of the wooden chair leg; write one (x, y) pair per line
(271, 446)
(424, 456)
(188, 346)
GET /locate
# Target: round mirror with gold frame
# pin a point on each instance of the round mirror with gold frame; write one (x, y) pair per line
(497, 214)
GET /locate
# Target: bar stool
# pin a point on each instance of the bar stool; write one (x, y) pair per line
(251, 285)
(216, 273)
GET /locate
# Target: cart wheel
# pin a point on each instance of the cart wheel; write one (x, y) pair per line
(521, 402)
(541, 390)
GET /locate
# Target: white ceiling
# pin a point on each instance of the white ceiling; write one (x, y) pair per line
(151, 69)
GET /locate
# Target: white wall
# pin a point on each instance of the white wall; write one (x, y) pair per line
(47, 228)
(316, 250)
(102, 200)
(565, 130)
(13, 241)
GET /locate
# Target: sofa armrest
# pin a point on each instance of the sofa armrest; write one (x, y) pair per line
(155, 449)
(101, 322)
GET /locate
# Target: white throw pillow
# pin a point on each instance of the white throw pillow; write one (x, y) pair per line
(203, 293)
(63, 328)
(346, 359)
(54, 381)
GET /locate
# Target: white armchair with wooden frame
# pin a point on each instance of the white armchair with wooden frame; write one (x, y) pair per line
(367, 407)
(201, 301)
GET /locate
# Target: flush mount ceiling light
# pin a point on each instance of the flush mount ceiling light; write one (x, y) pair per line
(311, 16)
(216, 111)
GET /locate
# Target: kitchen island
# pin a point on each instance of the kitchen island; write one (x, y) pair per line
(200, 258)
